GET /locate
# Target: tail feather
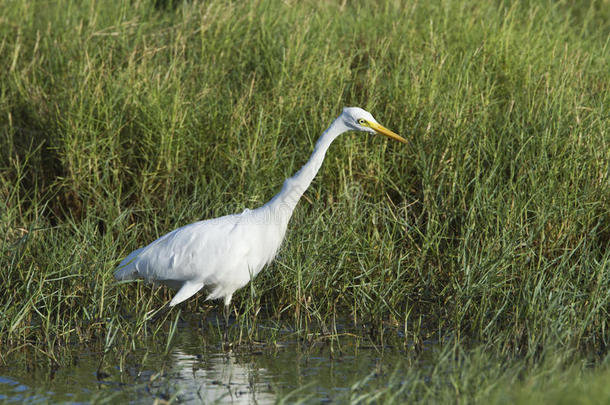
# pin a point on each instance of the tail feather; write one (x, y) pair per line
(127, 269)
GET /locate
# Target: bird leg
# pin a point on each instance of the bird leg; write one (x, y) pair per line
(159, 313)
(226, 332)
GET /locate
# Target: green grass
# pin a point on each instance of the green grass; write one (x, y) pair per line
(475, 377)
(120, 122)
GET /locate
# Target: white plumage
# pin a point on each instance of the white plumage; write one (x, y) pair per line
(224, 254)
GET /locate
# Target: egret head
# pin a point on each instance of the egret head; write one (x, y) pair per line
(357, 119)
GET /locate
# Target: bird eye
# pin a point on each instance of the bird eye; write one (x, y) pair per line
(361, 121)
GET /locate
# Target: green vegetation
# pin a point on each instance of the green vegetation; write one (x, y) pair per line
(120, 121)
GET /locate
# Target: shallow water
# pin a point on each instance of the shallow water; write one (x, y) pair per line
(196, 371)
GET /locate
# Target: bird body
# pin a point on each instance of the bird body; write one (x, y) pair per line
(224, 254)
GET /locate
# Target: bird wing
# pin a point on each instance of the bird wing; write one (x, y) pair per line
(223, 253)
(191, 252)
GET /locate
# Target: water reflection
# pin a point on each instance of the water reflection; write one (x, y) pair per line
(197, 371)
(220, 378)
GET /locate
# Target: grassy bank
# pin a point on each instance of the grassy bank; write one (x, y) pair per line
(121, 122)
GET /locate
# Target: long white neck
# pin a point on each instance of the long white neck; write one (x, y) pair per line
(282, 205)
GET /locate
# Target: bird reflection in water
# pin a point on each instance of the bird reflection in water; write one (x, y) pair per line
(220, 378)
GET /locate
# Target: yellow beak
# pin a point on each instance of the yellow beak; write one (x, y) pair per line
(380, 129)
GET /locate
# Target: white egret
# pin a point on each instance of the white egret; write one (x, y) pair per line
(224, 254)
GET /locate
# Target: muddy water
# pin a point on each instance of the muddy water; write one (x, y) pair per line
(198, 371)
